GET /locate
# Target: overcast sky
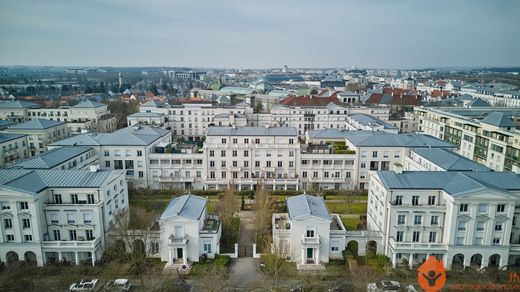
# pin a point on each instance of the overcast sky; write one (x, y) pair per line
(260, 34)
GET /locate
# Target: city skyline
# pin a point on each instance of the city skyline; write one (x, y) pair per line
(232, 34)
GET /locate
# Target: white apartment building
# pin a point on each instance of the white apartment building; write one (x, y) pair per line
(85, 116)
(497, 94)
(487, 136)
(58, 215)
(191, 120)
(40, 133)
(438, 159)
(308, 234)
(126, 149)
(188, 232)
(146, 118)
(375, 150)
(463, 218)
(247, 156)
(13, 148)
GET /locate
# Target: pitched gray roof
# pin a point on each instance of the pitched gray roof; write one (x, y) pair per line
(478, 102)
(19, 104)
(449, 160)
(252, 131)
(146, 115)
(305, 205)
(89, 104)
(327, 134)
(34, 181)
(51, 158)
(453, 182)
(37, 124)
(367, 120)
(4, 137)
(5, 124)
(383, 139)
(152, 103)
(129, 136)
(498, 119)
(187, 206)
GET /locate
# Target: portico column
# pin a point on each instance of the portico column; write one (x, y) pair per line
(170, 256)
(93, 258)
(467, 260)
(76, 257)
(303, 255)
(501, 261)
(318, 255)
(184, 256)
(59, 256)
(394, 260)
(410, 261)
(484, 262)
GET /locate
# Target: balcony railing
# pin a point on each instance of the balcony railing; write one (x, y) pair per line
(72, 244)
(418, 245)
(310, 240)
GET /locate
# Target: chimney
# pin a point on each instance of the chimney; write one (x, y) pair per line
(94, 168)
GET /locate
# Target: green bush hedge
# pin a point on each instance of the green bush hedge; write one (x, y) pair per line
(287, 193)
(222, 261)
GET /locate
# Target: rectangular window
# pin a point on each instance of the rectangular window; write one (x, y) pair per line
(461, 226)
(481, 225)
(71, 218)
(501, 208)
(434, 220)
(398, 200)
(401, 219)
(310, 232)
(57, 235)
(8, 223)
(433, 236)
(24, 206)
(234, 153)
(246, 153)
(10, 237)
(74, 198)
(139, 153)
(498, 226)
(417, 220)
(399, 236)
(27, 238)
(482, 208)
(90, 199)
(207, 247)
(89, 235)
(415, 200)
(463, 208)
(496, 241)
(211, 153)
(223, 153)
(73, 235)
(431, 200)
(416, 236)
(87, 218)
(26, 223)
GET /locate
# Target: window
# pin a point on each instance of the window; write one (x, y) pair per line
(139, 153)
(223, 153)
(155, 247)
(235, 153)
(498, 226)
(117, 153)
(246, 153)
(223, 163)
(431, 200)
(461, 226)
(57, 235)
(501, 208)
(207, 247)
(107, 153)
(433, 236)
(374, 165)
(257, 141)
(434, 220)
(415, 200)
(310, 232)
(224, 141)
(141, 174)
(374, 154)
(398, 200)
(363, 165)
(24, 206)
(87, 218)
(280, 163)
(463, 208)
(89, 235)
(74, 198)
(26, 223)
(10, 237)
(291, 141)
(223, 174)
(73, 235)
(334, 246)
(496, 241)
(399, 236)
(416, 236)
(27, 238)
(71, 218)
(107, 163)
(417, 220)
(90, 199)
(118, 164)
(54, 218)
(211, 153)
(246, 141)
(401, 219)
(235, 141)
(8, 223)
(481, 225)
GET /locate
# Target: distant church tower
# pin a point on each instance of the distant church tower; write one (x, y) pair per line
(120, 80)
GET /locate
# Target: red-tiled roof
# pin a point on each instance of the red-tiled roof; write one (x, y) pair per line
(314, 100)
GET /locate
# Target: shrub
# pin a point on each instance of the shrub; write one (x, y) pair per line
(222, 261)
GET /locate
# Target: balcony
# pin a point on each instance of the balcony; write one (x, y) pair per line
(310, 240)
(418, 245)
(73, 244)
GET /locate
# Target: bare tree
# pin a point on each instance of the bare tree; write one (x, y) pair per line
(275, 266)
(227, 208)
(263, 212)
(134, 233)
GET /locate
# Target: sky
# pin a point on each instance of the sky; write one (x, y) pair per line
(261, 34)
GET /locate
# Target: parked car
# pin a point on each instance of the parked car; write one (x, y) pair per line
(84, 285)
(120, 285)
(384, 286)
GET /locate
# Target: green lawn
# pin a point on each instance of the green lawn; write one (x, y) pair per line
(350, 223)
(343, 208)
(342, 198)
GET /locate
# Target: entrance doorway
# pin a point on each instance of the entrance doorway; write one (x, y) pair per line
(310, 254)
(179, 253)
